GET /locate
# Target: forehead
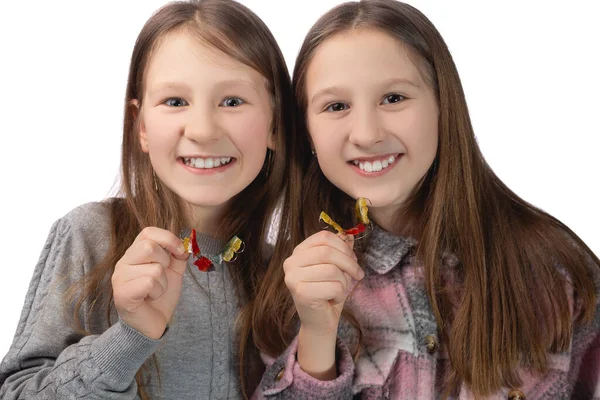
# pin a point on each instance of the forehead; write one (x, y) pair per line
(182, 56)
(361, 56)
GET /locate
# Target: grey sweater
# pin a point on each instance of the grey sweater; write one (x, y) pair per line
(49, 360)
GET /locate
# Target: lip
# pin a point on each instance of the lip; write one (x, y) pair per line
(356, 168)
(207, 171)
(375, 158)
(204, 156)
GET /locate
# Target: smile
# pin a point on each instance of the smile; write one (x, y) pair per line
(374, 164)
(206, 163)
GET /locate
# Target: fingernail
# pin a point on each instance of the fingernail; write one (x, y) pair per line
(181, 249)
(361, 273)
(354, 256)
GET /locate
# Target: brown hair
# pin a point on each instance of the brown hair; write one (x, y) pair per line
(506, 246)
(236, 31)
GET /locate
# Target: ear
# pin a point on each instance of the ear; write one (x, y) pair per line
(135, 105)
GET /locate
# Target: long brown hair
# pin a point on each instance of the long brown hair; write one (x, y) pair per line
(236, 31)
(515, 259)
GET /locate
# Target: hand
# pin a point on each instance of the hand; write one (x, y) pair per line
(320, 274)
(147, 281)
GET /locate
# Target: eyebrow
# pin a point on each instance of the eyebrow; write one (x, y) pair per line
(336, 90)
(184, 86)
(237, 82)
(159, 87)
(332, 90)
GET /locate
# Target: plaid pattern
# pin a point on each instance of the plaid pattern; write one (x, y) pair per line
(395, 362)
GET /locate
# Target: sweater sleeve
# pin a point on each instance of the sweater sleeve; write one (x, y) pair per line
(48, 358)
(284, 379)
(585, 362)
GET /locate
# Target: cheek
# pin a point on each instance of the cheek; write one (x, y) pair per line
(323, 133)
(250, 131)
(420, 133)
(161, 128)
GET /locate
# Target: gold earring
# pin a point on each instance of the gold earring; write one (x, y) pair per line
(155, 181)
(269, 156)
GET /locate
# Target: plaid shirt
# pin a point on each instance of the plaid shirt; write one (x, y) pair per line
(401, 358)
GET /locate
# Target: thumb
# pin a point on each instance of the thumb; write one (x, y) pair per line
(179, 263)
(350, 241)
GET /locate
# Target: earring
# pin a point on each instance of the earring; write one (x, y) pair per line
(155, 181)
(269, 156)
(313, 152)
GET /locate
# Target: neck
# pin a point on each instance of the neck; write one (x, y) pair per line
(206, 219)
(384, 218)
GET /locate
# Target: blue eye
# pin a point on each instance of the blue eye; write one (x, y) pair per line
(175, 102)
(337, 107)
(393, 98)
(232, 102)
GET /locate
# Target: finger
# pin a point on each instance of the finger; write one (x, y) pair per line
(324, 255)
(317, 273)
(154, 270)
(132, 294)
(315, 294)
(349, 241)
(326, 238)
(178, 265)
(165, 239)
(147, 251)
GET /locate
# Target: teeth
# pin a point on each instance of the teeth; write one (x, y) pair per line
(374, 166)
(206, 163)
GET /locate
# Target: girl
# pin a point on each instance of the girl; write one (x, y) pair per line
(204, 147)
(466, 291)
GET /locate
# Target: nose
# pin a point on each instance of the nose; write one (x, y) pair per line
(202, 125)
(366, 128)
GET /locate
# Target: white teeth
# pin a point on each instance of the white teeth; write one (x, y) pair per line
(374, 166)
(206, 163)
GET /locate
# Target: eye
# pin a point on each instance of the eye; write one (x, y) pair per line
(337, 107)
(175, 102)
(393, 98)
(232, 102)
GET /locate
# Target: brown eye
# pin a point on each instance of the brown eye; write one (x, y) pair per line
(393, 98)
(337, 107)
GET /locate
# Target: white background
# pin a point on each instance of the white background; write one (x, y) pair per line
(529, 69)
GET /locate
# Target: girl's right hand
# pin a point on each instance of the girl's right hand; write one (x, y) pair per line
(319, 275)
(147, 281)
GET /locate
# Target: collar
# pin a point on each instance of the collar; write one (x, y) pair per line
(385, 250)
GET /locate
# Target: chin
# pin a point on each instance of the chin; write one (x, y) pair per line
(379, 198)
(204, 199)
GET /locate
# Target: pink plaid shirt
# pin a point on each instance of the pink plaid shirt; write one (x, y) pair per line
(401, 358)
